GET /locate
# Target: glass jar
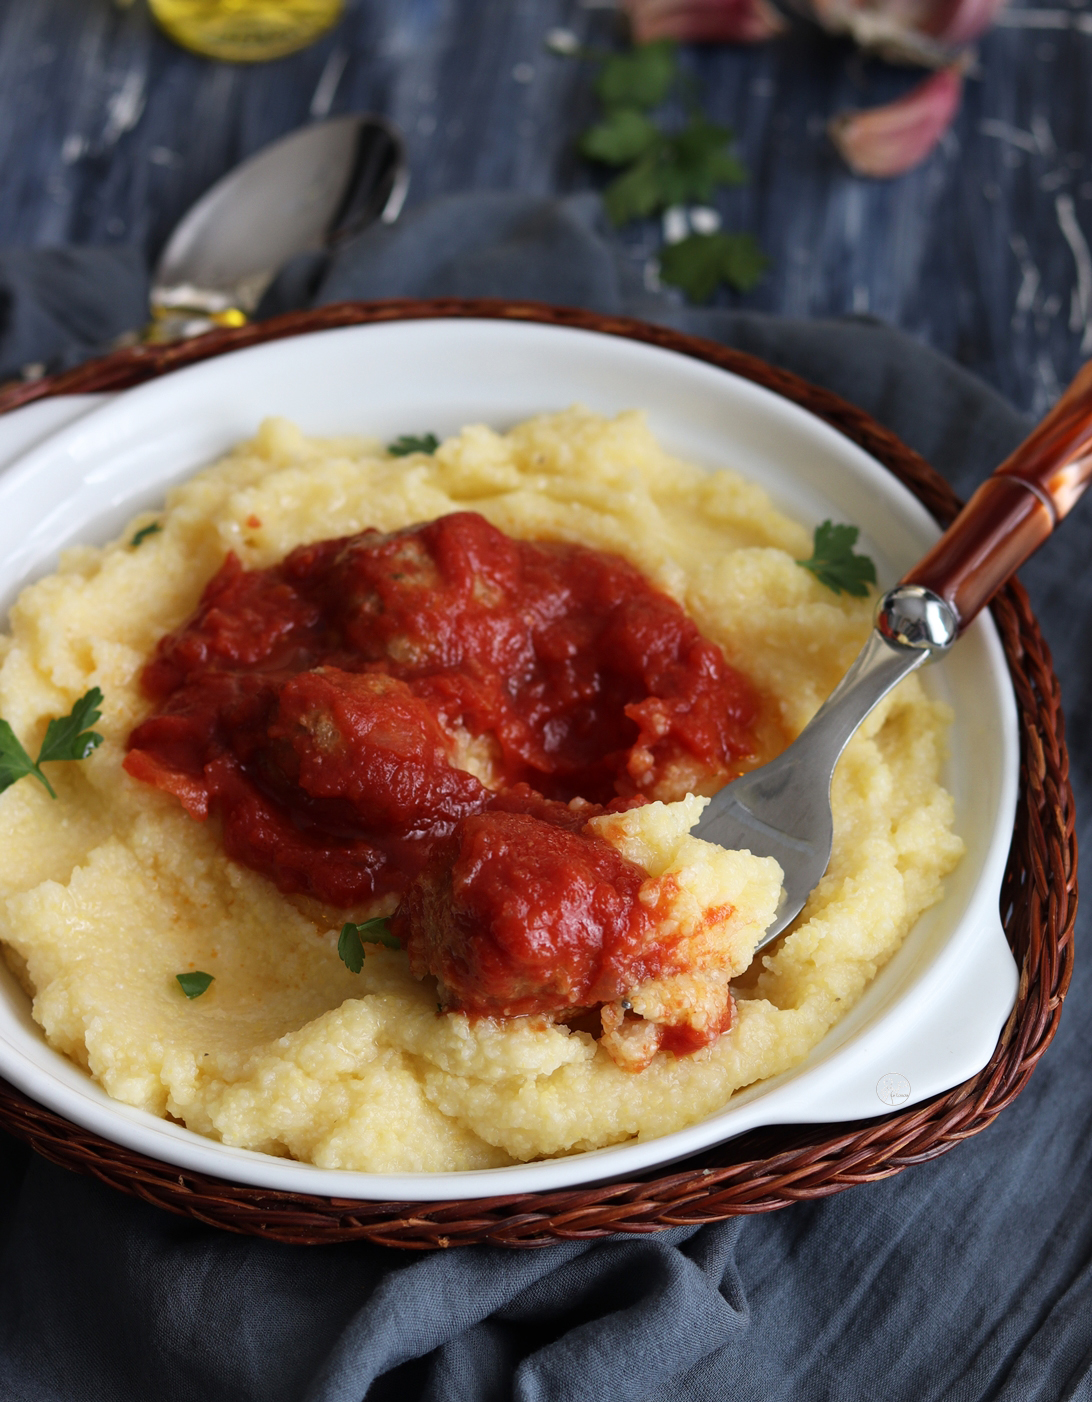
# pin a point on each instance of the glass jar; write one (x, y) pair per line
(245, 31)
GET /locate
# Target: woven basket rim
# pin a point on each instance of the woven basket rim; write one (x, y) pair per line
(759, 1171)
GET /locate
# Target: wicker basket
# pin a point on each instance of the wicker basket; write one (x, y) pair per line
(757, 1172)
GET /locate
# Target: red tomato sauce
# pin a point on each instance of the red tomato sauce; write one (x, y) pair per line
(521, 910)
(317, 706)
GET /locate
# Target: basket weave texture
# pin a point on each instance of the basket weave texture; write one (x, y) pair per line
(760, 1171)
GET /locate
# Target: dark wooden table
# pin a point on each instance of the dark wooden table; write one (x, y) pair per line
(108, 132)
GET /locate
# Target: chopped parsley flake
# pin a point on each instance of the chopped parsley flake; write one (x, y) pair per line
(353, 938)
(193, 985)
(407, 443)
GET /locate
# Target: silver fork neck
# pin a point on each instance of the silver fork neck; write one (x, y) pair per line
(913, 626)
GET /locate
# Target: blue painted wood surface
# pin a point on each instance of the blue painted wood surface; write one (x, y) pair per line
(108, 132)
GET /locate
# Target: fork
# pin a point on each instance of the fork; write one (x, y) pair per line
(782, 810)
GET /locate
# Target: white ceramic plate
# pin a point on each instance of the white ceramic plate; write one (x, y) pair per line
(932, 1016)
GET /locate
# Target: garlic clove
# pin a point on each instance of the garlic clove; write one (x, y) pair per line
(960, 21)
(888, 140)
(704, 21)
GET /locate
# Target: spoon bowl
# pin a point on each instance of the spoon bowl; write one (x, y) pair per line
(311, 190)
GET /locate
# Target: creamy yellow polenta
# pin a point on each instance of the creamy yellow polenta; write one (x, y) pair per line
(109, 892)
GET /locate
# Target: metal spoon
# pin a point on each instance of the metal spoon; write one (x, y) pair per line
(311, 190)
(783, 809)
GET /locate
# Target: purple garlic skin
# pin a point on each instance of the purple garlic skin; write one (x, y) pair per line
(920, 32)
(704, 21)
(928, 33)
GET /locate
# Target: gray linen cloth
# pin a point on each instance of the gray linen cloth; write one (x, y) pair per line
(964, 1279)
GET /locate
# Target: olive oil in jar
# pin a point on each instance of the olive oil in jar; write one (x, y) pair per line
(245, 31)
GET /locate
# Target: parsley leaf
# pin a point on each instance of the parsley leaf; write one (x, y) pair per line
(834, 564)
(625, 135)
(681, 168)
(637, 192)
(700, 156)
(700, 263)
(353, 938)
(193, 985)
(144, 533)
(407, 443)
(349, 947)
(639, 78)
(15, 762)
(65, 738)
(68, 737)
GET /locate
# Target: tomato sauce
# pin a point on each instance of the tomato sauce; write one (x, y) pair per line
(324, 709)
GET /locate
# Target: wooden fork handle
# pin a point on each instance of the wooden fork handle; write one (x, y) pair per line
(1015, 509)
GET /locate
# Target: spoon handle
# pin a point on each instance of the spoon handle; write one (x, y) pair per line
(1015, 509)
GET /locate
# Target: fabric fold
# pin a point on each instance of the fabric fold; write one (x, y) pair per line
(60, 306)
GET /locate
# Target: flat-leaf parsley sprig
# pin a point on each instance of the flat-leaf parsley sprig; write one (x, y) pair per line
(67, 737)
(834, 564)
(353, 938)
(663, 166)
